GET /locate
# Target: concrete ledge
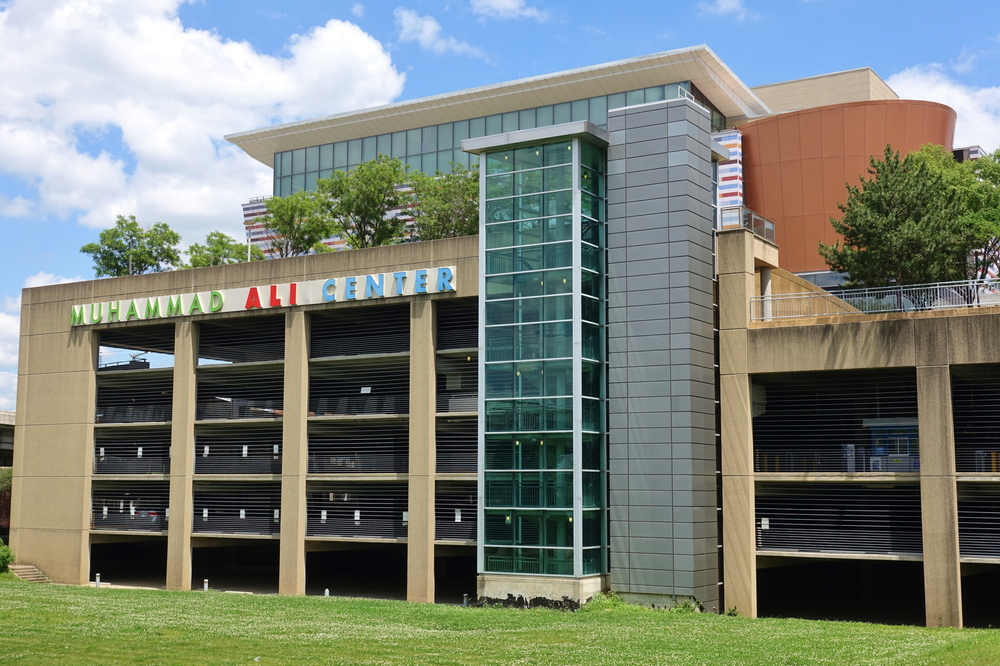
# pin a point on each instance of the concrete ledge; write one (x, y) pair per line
(546, 591)
(900, 557)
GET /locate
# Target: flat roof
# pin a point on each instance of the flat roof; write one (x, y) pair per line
(697, 64)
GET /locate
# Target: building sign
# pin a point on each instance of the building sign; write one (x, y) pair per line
(314, 292)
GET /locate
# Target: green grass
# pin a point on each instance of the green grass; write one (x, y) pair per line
(47, 624)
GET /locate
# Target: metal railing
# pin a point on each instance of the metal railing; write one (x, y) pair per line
(741, 217)
(909, 298)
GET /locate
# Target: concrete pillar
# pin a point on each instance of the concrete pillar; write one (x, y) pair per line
(938, 498)
(182, 457)
(423, 408)
(736, 287)
(294, 455)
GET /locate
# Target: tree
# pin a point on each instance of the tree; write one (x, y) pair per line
(294, 225)
(901, 226)
(220, 249)
(130, 249)
(446, 206)
(982, 211)
(358, 203)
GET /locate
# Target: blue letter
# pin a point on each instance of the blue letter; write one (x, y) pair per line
(421, 282)
(399, 277)
(371, 286)
(350, 295)
(444, 280)
(328, 290)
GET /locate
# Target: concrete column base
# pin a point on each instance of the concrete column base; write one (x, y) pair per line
(545, 591)
(658, 600)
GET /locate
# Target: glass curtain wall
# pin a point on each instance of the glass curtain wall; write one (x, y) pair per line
(433, 148)
(543, 366)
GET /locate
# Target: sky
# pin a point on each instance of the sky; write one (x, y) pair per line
(120, 108)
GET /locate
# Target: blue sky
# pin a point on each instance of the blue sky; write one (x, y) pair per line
(114, 108)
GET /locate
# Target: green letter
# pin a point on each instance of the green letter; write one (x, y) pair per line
(132, 312)
(113, 310)
(216, 303)
(173, 307)
(100, 309)
(196, 304)
(77, 315)
(152, 307)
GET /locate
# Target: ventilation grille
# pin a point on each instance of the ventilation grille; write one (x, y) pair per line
(362, 330)
(237, 508)
(975, 399)
(139, 506)
(455, 511)
(457, 383)
(242, 340)
(356, 389)
(238, 449)
(823, 517)
(132, 450)
(358, 447)
(228, 392)
(357, 510)
(458, 324)
(134, 397)
(978, 520)
(841, 422)
(457, 445)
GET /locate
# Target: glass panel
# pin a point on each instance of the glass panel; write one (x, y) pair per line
(340, 155)
(593, 561)
(528, 158)
(501, 210)
(590, 181)
(591, 310)
(559, 178)
(298, 182)
(494, 125)
(526, 119)
(460, 131)
(562, 113)
(529, 310)
(444, 160)
(591, 284)
(558, 255)
(445, 134)
(558, 339)
(298, 161)
(500, 235)
(499, 186)
(558, 153)
(326, 157)
(399, 144)
(312, 158)
(557, 203)
(501, 162)
(635, 97)
(616, 101)
(591, 382)
(558, 282)
(276, 187)
(428, 163)
(599, 110)
(528, 207)
(500, 286)
(670, 91)
(591, 206)
(286, 186)
(428, 142)
(558, 562)
(354, 152)
(592, 157)
(593, 532)
(591, 257)
(369, 149)
(581, 109)
(543, 116)
(593, 447)
(477, 128)
(528, 232)
(509, 121)
(529, 451)
(654, 94)
(277, 165)
(325, 173)
(527, 182)
(384, 146)
(591, 231)
(311, 181)
(558, 229)
(413, 142)
(463, 158)
(591, 343)
(593, 489)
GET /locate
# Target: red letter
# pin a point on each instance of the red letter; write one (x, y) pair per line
(291, 293)
(253, 299)
(275, 301)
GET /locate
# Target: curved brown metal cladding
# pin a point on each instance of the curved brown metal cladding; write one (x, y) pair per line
(796, 165)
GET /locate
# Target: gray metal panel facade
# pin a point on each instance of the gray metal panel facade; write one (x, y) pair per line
(662, 479)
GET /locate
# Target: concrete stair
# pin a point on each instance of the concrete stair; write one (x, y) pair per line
(28, 572)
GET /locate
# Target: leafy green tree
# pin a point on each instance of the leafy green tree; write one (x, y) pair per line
(220, 249)
(446, 205)
(131, 249)
(357, 203)
(295, 225)
(902, 225)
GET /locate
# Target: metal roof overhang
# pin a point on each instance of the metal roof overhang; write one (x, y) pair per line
(697, 64)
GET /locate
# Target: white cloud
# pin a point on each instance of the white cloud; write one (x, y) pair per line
(84, 66)
(358, 10)
(978, 109)
(426, 31)
(41, 279)
(8, 390)
(10, 332)
(734, 8)
(508, 9)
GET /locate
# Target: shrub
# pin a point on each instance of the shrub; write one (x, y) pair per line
(6, 557)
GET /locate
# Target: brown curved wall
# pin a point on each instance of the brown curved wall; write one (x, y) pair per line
(795, 165)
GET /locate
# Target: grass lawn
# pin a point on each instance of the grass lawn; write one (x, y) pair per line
(47, 624)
